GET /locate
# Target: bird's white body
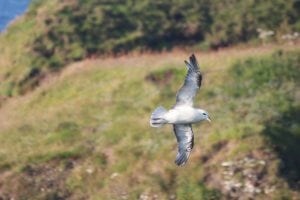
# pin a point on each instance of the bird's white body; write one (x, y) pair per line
(184, 115)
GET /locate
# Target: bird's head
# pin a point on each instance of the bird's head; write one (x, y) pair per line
(204, 115)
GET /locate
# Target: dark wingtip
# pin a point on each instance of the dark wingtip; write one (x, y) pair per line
(194, 62)
(192, 56)
(180, 164)
(182, 159)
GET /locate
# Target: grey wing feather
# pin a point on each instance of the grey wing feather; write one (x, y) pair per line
(191, 84)
(185, 139)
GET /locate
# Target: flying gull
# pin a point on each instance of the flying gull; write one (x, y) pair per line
(183, 114)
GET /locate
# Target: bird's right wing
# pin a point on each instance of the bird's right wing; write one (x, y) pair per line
(192, 83)
(185, 139)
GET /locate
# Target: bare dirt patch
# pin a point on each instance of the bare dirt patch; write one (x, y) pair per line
(38, 181)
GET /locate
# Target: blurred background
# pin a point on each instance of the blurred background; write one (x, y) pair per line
(80, 78)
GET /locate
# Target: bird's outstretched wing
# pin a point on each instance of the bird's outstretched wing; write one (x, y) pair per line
(192, 83)
(185, 139)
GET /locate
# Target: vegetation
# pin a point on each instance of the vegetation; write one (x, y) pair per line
(60, 33)
(85, 133)
(85, 28)
(273, 81)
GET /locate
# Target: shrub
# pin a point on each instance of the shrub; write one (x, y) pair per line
(85, 28)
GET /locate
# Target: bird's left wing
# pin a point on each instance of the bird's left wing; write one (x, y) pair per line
(185, 139)
(192, 83)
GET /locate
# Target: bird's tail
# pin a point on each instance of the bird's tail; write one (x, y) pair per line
(157, 117)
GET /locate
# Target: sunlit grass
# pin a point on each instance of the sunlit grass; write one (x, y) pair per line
(96, 114)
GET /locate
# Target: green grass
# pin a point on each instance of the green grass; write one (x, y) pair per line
(53, 34)
(95, 115)
(16, 55)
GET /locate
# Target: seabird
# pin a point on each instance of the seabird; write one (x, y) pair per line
(182, 115)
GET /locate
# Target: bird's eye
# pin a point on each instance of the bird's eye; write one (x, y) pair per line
(204, 113)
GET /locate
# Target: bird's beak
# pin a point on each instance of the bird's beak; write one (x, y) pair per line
(208, 119)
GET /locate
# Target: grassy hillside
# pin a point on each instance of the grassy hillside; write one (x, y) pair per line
(53, 33)
(84, 133)
(79, 80)
(17, 74)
